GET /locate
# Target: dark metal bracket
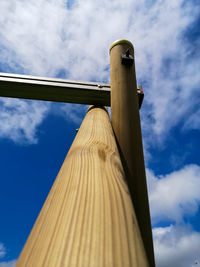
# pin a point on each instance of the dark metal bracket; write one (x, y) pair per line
(140, 94)
(127, 58)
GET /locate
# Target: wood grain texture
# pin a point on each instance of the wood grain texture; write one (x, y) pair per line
(88, 218)
(126, 125)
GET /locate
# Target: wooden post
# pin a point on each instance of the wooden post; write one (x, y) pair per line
(88, 218)
(126, 125)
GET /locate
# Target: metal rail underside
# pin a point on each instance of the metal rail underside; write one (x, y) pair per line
(58, 90)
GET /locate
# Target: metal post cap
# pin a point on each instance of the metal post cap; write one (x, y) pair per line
(121, 41)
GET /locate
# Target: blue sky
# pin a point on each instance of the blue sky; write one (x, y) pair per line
(71, 39)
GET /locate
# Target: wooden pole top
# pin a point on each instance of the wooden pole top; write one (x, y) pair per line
(121, 41)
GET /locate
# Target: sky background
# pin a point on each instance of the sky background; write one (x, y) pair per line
(71, 39)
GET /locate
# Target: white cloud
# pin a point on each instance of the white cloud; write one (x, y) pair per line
(176, 246)
(193, 121)
(8, 263)
(73, 112)
(174, 195)
(19, 119)
(2, 250)
(45, 37)
(2, 255)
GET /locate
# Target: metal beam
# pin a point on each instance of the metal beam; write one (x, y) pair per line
(59, 90)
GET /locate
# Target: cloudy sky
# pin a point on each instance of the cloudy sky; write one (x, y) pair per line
(71, 39)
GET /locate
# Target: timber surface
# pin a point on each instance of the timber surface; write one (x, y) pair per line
(125, 119)
(88, 218)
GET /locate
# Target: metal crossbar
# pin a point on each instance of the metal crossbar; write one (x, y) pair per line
(58, 90)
